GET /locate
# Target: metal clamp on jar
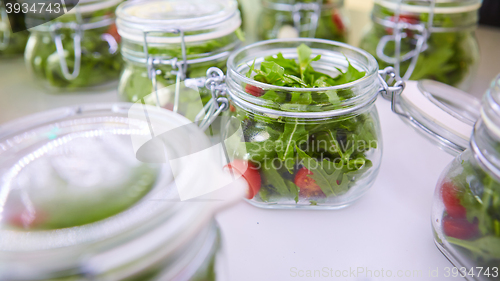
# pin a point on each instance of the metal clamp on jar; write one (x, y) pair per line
(426, 39)
(303, 18)
(78, 50)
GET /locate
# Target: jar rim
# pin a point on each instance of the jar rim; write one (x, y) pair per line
(222, 19)
(462, 6)
(370, 73)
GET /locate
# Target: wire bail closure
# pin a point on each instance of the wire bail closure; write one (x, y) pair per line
(218, 103)
(179, 68)
(391, 88)
(398, 28)
(4, 43)
(77, 38)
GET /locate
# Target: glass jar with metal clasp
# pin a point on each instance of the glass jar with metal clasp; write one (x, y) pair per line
(309, 140)
(11, 44)
(426, 39)
(466, 206)
(99, 191)
(168, 46)
(303, 18)
(78, 50)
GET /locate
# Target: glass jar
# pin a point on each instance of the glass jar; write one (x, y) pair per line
(85, 197)
(78, 50)
(304, 147)
(168, 46)
(11, 44)
(426, 39)
(466, 209)
(303, 18)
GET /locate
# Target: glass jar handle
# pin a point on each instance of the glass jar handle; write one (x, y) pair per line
(6, 32)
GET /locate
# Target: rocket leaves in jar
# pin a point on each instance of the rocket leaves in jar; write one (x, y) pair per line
(336, 151)
(478, 195)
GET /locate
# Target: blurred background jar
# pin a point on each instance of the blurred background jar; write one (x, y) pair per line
(426, 39)
(466, 209)
(78, 50)
(168, 46)
(11, 44)
(86, 197)
(302, 18)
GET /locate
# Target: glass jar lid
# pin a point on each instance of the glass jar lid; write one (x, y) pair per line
(425, 6)
(75, 199)
(442, 113)
(199, 20)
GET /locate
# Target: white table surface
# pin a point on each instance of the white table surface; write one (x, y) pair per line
(389, 228)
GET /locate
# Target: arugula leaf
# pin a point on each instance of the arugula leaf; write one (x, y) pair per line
(293, 133)
(283, 187)
(487, 247)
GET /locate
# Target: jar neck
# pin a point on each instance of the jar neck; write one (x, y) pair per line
(485, 141)
(197, 53)
(301, 5)
(444, 19)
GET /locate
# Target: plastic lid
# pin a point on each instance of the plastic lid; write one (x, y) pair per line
(204, 19)
(444, 114)
(441, 6)
(73, 193)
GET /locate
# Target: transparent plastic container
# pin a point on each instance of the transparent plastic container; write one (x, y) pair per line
(318, 154)
(78, 50)
(11, 44)
(86, 197)
(168, 46)
(466, 209)
(423, 40)
(303, 18)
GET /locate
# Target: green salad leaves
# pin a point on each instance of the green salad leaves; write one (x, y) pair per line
(478, 196)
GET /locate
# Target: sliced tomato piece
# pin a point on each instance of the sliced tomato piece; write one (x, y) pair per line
(337, 20)
(253, 90)
(451, 201)
(308, 186)
(404, 18)
(250, 173)
(113, 31)
(460, 228)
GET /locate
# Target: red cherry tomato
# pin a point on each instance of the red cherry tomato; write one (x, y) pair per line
(25, 220)
(404, 18)
(451, 202)
(232, 108)
(459, 228)
(113, 31)
(254, 91)
(337, 20)
(308, 186)
(250, 173)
